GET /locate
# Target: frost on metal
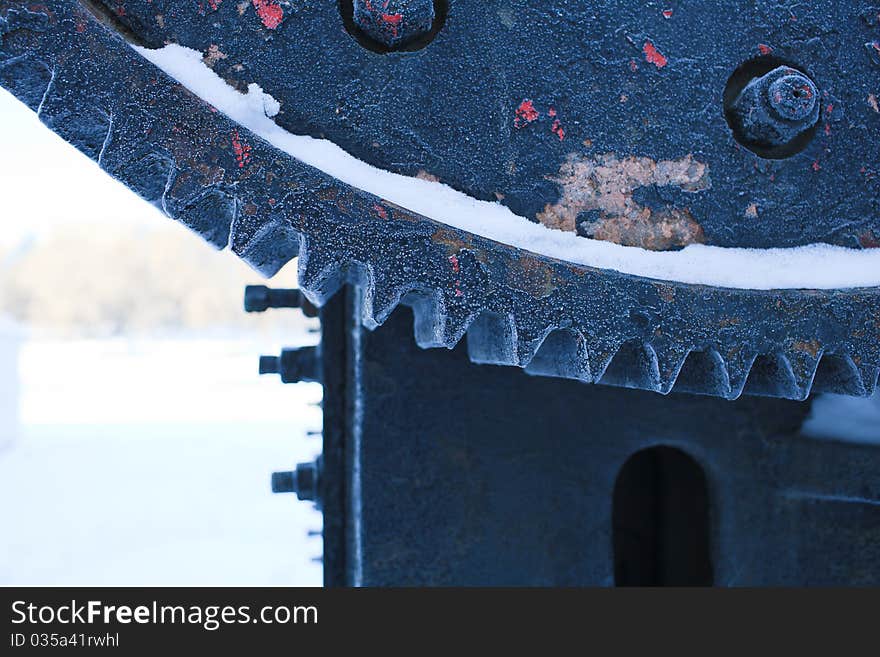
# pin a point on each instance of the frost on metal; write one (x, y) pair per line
(607, 184)
(708, 318)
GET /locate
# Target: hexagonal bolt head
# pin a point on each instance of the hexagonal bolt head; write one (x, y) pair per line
(394, 23)
(776, 108)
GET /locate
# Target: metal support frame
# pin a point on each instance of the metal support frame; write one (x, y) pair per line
(441, 472)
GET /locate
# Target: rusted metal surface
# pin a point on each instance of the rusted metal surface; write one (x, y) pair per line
(549, 317)
(506, 93)
(598, 201)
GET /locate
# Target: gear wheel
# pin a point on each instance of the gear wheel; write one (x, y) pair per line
(68, 63)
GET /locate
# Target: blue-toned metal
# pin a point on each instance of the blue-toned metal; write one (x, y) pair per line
(777, 113)
(393, 24)
(441, 472)
(509, 92)
(304, 481)
(644, 88)
(436, 470)
(294, 365)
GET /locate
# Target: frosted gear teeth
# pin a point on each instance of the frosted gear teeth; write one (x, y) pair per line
(550, 317)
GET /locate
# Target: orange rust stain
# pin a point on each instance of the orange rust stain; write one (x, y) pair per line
(813, 348)
(451, 240)
(327, 193)
(212, 174)
(752, 211)
(606, 184)
(213, 55)
(424, 175)
(666, 292)
(532, 276)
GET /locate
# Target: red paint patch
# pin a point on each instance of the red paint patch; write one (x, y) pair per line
(215, 4)
(525, 114)
(456, 268)
(764, 49)
(667, 13)
(633, 65)
(392, 21)
(270, 12)
(558, 130)
(654, 56)
(382, 212)
(816, 166)
(241, 149)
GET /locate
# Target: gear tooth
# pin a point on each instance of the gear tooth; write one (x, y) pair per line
(76, 120)
(27, 78)
(870, 375)
(670, 360)
(210, 215)
(633, 366)
(147, 174)
(562, 354)
(803, 366)
(456, 323)
(269, 249)
(703, 373)
(601, 353)
(737, 366)
(427, 310)
(320, 276)
(381, 299)
(530, 335)
(492, 339)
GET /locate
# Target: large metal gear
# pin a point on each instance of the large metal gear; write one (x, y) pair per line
(407, 104)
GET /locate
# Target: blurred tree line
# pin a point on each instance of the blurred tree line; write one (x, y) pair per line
(102, 280)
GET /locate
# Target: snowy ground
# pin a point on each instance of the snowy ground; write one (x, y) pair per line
(147, 463)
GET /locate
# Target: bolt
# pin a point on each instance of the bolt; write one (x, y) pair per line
(394, 23)
(793, 97)
(259, 298)
(774, 109)
(303, 481)
(294, 365)
(270, 365)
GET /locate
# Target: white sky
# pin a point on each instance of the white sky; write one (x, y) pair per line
(45, 181)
